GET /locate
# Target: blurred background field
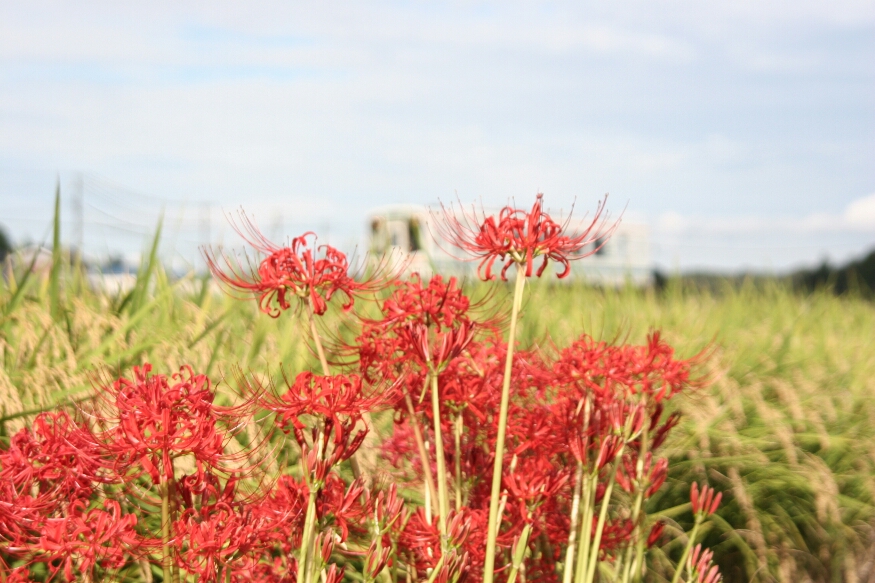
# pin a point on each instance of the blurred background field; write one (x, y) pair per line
(786, 427)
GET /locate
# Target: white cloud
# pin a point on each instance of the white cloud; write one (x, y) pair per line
(861, 212)
(859, 216)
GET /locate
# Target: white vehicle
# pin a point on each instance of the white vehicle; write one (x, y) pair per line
(410, 229)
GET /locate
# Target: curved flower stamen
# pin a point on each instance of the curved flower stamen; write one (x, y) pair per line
(515, 236)
(304, 270)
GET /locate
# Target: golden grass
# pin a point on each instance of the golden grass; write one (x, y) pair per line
(786, 429)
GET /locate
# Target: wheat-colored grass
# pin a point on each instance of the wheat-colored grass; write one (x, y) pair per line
(786, 427)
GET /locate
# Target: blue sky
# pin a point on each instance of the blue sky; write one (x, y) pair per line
(742, 132)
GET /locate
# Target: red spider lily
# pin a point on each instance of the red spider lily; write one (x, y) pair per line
(616, 535)
(519, 237)
(454, 569)
(534, 480)
(660, 432)
(376, 559)
(218, 539)
(380, 355)
(337, 397)
(466, 534)
(386, 345)
(655, 533)
(151, 419)
(303, 270)
(701, 566)
(281, 569)
(596, 438)
(704, 503)
(319, 458)
(337, 404)
(422, 323)
(341, 508)
(388, 508)
(438, 303)
(436, 349)
(653, 475)
(87, 538)
(284, 506)
(471, 384)
(18, 575)
(388, 513)
(333, 574)
(606, 370)
(56, 454)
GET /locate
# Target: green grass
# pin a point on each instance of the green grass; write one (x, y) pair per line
(786, 428)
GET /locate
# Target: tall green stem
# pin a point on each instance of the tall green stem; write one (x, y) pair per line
(307, 551)
(306, 555)
(492, 532)
(165, 530)
(326, 370)
(588, 491)
(519, 552)
(457, 433)
(568, 568)
(633, 565)
(588, 496)
(690, 543)
(431, 495)
(320, 352)
(443, 495)
(437, 569)
(600, 525)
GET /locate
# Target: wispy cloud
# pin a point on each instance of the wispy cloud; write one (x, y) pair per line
(858, 216)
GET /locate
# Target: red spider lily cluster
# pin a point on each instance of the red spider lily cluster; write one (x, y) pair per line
(163, 478)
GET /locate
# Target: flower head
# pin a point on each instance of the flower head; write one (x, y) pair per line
(704, 502)
(302, 270)
(150, 419)
(701, 566)
(515, 236)
(86, 538)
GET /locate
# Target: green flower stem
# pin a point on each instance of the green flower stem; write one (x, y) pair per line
(600, 525)
(166, 560)
(326, 370)
(588, 496)
(568, 568)
(492, 532)
(437, 568)
(431, 495)
(519, 552)
(457, 433)
(306, 556)
(443, 496)
(320, 352)
(632, 566)
(690, 542)
(307, 552)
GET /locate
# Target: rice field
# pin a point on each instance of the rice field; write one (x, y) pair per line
(785, 427)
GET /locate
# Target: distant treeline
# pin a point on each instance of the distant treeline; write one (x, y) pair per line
(857, 277)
